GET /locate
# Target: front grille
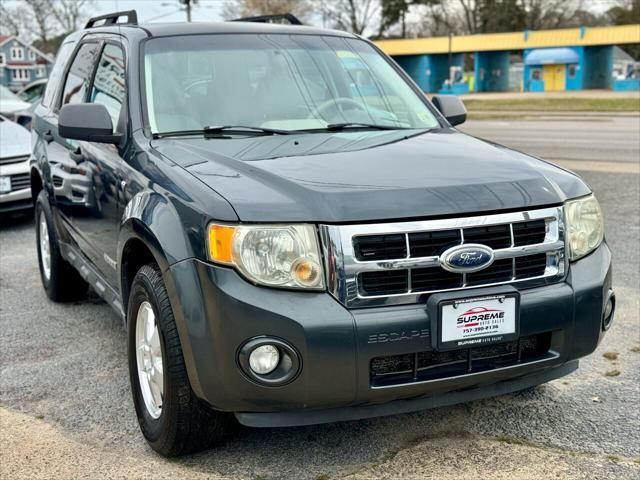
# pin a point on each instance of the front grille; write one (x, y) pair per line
(376, 283)
(532, 266)
(427, 279)
(20, 181)
(11, 160)
(399, 263)
(500, 271)
(432, 365)
(529, 233)
(426, 244)
(380, 247)
(494, 236)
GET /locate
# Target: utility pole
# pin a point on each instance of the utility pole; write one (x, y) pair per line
(187, 4)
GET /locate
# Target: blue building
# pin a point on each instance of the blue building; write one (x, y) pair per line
(563, 59)
(20, 63)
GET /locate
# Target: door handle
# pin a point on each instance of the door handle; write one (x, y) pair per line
(48, 136)
(76, 155)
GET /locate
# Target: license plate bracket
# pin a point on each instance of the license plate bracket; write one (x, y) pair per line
(474, 318)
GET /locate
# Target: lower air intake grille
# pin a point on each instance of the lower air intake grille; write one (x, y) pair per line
(432, 365)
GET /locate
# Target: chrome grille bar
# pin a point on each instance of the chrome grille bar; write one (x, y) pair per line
(344, 269)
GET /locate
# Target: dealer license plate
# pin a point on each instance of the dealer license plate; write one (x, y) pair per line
(5, 184)
(480, 320)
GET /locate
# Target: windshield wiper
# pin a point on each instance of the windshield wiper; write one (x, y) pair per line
(244, 129)
(216, 129)
(342, 126)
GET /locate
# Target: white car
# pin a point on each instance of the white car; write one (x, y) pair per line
(15, 185)
(10, 103)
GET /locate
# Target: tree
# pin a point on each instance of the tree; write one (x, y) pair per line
(70, 14)
(357, 16)
(10, 20)
(251, 8)
(41, 20)
(44, 22)
(627, 12)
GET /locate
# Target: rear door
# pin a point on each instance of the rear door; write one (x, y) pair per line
(70, 180)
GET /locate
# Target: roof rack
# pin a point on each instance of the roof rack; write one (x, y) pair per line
(289, 17)
(112, 19)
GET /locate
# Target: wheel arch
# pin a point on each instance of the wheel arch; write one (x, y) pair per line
(36, 184)
(137, 246)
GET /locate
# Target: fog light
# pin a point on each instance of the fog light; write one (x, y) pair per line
(608, 309)
(609, 312)
(264, 359)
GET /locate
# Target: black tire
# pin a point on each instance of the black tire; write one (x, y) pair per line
(186, 424)
(64, 283)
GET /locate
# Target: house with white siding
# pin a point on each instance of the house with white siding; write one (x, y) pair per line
(21, 63)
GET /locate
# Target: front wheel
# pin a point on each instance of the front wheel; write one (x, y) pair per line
(172, 419)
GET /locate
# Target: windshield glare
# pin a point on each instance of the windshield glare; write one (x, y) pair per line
(286, 82)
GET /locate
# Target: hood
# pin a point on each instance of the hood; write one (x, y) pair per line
(15, 140)
(369, 176)
(13, 106)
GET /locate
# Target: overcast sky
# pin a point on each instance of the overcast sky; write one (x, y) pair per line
(162, 10)
(154, 10)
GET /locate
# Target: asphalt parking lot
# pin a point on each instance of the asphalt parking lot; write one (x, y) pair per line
(66, 409)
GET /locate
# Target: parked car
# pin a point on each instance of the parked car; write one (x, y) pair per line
(287, 248)
(34, 91)
(15, 149)
(10, 103)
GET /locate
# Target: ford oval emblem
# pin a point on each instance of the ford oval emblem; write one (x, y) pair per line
(468, 258)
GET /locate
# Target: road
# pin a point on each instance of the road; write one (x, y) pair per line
(576, 138)
(66, 408)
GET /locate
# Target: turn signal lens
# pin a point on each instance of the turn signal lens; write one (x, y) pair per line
(221, 243)
(305, 272)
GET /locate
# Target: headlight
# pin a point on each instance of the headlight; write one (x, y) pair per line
(273, 255)
(585, 226)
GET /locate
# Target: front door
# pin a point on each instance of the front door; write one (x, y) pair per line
(99, 221)
(554, 78)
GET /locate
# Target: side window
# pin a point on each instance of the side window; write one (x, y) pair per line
(56, 74)
(79, 75)
(109, 83)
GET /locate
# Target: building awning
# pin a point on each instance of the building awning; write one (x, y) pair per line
(545, 56)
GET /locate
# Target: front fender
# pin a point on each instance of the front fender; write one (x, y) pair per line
(152, 219)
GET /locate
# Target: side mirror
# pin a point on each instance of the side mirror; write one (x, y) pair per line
(451, 107)
(90, 122)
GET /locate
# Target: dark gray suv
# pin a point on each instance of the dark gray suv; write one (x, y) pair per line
(293, 234)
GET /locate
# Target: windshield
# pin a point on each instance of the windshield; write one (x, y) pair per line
(285, 82)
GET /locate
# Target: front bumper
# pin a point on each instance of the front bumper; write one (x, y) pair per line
(217, 312)
(19, 198)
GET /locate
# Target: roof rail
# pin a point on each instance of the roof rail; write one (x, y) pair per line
(292, 19)
(112, 19)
